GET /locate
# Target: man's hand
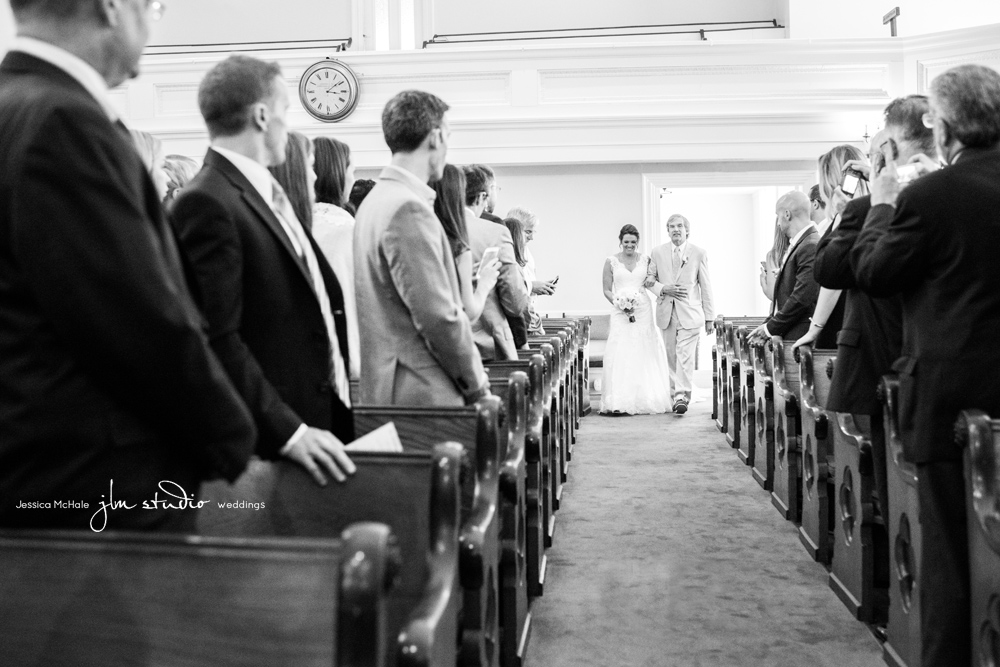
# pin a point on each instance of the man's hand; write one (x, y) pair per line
(709, 326)
(925, 165)
(759, 335)
(318, 449)
(674, 292)
(542, 287)
(885, 187)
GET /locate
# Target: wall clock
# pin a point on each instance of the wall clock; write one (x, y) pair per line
(329, 90)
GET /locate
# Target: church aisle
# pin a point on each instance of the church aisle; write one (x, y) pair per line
(668, 553)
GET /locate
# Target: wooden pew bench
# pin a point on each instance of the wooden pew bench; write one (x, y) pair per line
(785, 494)
(979, 435)
(492, 560)
(583, 327)
(734, 330)
(121, 599)
(722, 372)
(416, 494)
(745, 434)
(817, 492)
(762, 467)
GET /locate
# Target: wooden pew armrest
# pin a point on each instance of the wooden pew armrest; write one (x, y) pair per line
(862, 441)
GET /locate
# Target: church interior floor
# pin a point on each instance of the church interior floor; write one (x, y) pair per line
(667, 552)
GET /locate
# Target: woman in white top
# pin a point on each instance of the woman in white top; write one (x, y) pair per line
(333, 228)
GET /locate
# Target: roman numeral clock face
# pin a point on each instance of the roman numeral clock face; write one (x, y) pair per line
(329, 90)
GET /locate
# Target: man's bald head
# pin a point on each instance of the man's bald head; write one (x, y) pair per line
(792, 211)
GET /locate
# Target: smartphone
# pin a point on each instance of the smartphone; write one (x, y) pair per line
(852, 179)
(906, 173)
(555, 280)
(489, 255)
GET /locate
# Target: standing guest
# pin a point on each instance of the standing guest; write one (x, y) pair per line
(150, 149)
(501, 329)
(679, 275)
(416, 341)
(361, 188)
(333, 228)
(105, 373)
(493, 196)
(180, 170)
(818, 213)
(537, 287)
(795, 288)
(273, 305)
(828, 316)
(450, 210)
(934, 243)
(296, 176)
(771, 265)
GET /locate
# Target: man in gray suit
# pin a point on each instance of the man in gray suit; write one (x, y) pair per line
(416, 341)
(683, 305)
(507, 304)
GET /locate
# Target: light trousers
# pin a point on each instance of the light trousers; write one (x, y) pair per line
(682, 346)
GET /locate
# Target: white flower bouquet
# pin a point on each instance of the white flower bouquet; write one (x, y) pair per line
(627, 304)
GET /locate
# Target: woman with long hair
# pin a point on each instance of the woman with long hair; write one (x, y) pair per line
(150, 149)
(828, 314)
(333, 228)
(296, 176)
(449, 205)
(772, 263)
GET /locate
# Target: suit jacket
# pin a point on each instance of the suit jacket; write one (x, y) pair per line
(486, 215)
(795, 290)
(697, 308)
(937, 250)
(105, 369)
(871, 335)
(264, 317)
(416, 341)
(509, 299)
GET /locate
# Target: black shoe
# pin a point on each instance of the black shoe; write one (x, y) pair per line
(680, 406)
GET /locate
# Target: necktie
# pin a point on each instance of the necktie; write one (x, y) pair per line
(677, 261)
(300, 241)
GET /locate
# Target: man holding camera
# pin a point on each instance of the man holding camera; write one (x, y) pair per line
(934, 243)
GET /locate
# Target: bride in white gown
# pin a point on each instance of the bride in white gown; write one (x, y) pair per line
(636, 376)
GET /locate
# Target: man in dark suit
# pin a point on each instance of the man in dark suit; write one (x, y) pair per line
(934, 243)
(274, 307)
(108, 387)
(795, 288)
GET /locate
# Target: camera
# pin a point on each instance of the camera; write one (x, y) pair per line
(905, 173)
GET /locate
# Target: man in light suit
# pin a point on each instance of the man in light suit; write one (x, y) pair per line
(273, 304)
(501, 329)
(679, 270)
(108, 386)
(416, 341)
(795, 288)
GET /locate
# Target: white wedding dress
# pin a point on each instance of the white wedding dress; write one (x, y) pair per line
(636, 375)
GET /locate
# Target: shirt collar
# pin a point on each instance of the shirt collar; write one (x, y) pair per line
(407, 178)
(258, 175)
(76, 67)
(802, 232)
(682, 248)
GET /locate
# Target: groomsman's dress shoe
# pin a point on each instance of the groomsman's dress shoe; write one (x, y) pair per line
(681, 406)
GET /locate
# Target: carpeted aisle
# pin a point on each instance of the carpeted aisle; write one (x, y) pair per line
(668, 553)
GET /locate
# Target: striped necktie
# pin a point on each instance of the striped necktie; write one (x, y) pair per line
(300, 240)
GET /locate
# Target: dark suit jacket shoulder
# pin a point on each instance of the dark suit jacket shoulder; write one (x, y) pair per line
(795, 290)
(105, 371)
(264, 319)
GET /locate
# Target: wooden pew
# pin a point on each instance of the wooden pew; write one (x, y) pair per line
(733, 352)
(477, 428)
(815, 373)
(120, 599)
(787, 465)
(540, 521)
(979, 435)
(561, 388)
(556, 431)
(763, 460)
(583, 357)
(724, 354)
(852, 572)
(574, 374)
(902, 645)
(715, 381)
(746, 439)
(417, 495)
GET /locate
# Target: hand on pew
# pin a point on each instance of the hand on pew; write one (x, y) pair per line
(316, 449)
(809, 338)
(759, 335)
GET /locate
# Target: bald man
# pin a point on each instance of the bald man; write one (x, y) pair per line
(795, 288)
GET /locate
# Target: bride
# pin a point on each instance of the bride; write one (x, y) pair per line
(636, 377)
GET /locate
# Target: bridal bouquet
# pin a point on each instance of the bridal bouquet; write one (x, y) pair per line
(627, 304)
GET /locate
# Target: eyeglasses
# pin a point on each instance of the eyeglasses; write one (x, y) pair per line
(155, 9)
